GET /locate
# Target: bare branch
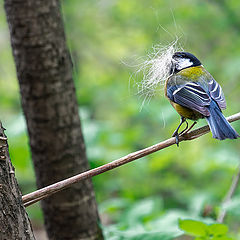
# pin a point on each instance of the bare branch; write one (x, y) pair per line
(45, 192)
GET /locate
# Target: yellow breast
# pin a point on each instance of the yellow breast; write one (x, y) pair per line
(186, 112)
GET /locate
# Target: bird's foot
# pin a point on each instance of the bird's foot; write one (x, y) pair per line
(187, 130)
(176, 135)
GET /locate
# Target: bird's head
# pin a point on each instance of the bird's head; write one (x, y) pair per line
(181, 60)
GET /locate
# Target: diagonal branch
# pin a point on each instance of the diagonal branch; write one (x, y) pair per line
(229, 195)
(45, 192)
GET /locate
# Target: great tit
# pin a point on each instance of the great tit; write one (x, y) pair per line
(195, 94)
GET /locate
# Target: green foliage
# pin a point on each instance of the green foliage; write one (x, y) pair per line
(143, 199)
(140, 220)
(202, 231)
(194, 228)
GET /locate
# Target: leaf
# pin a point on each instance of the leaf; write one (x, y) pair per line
(197, 203)
(114, 232)
(217, 229)
(153, 236)
(141, 209)
(193, 227)
(168, 222)
(221, 238)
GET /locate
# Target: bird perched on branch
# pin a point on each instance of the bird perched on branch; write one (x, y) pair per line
(195, 94)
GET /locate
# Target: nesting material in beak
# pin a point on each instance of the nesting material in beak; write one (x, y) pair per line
(156, 69)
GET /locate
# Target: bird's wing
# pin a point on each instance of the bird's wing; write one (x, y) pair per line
(190, 95)
(217, 94)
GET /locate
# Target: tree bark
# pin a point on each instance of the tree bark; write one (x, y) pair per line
(14, 222)
(44, 71)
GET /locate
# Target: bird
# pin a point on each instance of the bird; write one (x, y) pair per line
(195, 94)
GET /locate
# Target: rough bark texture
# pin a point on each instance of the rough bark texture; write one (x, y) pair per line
(14, 222)
(44, 71)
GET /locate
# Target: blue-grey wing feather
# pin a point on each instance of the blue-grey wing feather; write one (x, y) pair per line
(190, 95)
(217, 94)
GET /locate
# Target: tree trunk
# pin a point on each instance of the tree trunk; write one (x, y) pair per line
(44, 71)
(14, 222)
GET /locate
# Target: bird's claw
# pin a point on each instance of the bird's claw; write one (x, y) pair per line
(185, 131)
(176, 135)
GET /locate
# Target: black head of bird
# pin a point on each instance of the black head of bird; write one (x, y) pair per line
(181, 60)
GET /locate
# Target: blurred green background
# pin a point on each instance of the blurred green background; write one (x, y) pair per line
(106, 37)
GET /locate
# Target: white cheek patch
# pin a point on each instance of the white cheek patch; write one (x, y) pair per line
(183, 63)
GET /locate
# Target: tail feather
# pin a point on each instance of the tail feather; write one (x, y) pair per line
(219, 126)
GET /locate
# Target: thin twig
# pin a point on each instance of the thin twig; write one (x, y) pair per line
(45, 192)
(229, 195)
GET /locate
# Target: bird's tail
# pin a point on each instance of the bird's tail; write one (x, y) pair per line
(219, 126)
